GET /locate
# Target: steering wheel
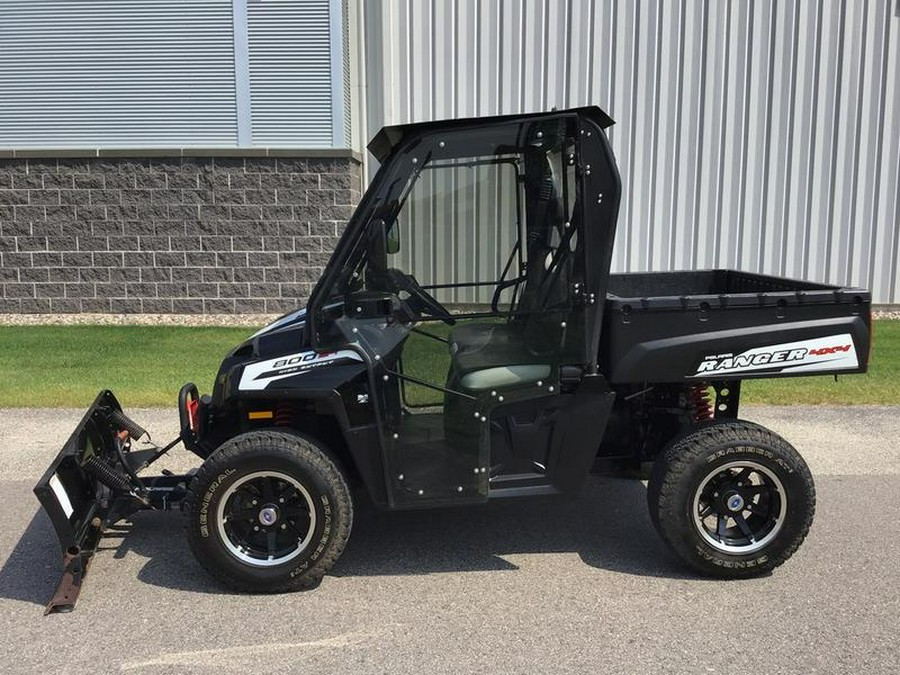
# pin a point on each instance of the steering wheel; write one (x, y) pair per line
(420, 300)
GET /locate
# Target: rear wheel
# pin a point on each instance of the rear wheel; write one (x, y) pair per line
(268, 512)
(732, 499)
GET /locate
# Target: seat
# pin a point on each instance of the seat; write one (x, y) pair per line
(492, 355)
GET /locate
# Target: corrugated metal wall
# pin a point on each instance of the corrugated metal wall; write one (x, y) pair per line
(759, 135)
(290, 72)
(112, 73)
(173, 73)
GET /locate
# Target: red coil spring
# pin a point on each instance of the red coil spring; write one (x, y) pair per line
(285, 414)
(701, 403)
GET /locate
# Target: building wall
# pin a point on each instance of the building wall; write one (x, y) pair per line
(158, 234)
(758, 135)
(173, 73)
(98, 212)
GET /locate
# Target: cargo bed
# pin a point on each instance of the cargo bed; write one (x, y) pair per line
(725, 324)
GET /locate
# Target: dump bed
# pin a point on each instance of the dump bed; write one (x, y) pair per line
(725, 324)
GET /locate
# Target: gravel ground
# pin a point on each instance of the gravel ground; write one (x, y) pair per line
(886, 314)
(531, 586)
(137, 319)
(200, 319)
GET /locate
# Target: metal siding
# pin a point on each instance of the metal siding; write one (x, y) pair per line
(346, 73)
(759, 135)
(95, 73)
(290, 72)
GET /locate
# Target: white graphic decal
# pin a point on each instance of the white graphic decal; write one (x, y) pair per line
(258, 376)
(836, 352)
(61, 496)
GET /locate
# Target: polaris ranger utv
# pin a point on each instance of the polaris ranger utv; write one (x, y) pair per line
(467, 342)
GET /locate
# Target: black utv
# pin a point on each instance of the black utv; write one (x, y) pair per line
(467, 342)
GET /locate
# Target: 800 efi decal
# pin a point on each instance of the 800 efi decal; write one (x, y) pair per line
(829, 353)
(258, 376)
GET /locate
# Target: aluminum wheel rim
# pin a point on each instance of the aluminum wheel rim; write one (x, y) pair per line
(276, 528)
(739, 508)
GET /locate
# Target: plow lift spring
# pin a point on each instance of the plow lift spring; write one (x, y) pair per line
(93, 483)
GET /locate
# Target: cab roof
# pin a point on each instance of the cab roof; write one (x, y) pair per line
(390, 137)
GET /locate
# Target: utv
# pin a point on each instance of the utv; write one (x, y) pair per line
(467, 342)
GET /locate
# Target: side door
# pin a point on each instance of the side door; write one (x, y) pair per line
(492, 232)
(456, 232)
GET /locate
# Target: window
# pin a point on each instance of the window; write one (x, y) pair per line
(459, 227)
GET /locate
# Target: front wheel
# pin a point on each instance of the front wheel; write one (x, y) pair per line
(732, 499)
(268, 512)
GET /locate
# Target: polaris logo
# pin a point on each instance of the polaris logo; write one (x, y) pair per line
(819, 354)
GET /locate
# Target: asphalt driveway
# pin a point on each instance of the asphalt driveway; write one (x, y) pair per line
(540, 586)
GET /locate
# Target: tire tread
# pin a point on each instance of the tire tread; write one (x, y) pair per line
(288, 446)
(687, 450)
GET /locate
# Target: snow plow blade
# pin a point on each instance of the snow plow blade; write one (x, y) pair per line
(92, 483)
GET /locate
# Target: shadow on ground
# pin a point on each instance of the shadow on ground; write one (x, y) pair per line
(33, 567)
(608, 527)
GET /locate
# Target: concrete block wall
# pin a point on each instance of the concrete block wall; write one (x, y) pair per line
(169, 233)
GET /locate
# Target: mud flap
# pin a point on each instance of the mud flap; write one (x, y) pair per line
(77, 504)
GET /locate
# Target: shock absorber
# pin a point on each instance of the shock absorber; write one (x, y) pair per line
(285, 414)
(121, 421)
(701, 403)
(113, 478)
(110, 477)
